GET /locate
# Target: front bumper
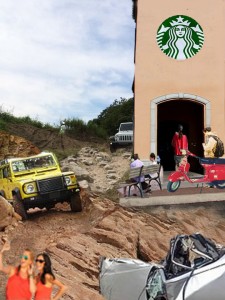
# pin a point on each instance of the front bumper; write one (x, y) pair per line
(50, 198)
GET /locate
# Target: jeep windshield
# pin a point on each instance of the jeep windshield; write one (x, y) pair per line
(126, 127)
(33, 163)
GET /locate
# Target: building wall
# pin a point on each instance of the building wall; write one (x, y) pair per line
(156, 74)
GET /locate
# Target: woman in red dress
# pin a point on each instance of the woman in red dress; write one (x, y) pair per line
(179, 142)
(45, 280)
(21, 284)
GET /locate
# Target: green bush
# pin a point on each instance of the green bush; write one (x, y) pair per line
(79, 129)
(7, 117)
(3, 125)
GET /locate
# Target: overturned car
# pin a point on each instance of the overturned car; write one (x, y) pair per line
(194, 269)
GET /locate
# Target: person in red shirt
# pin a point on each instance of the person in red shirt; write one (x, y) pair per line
(20, 284)
(45, 280)
(179, 142)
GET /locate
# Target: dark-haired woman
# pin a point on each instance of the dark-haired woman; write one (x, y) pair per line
(45, 280)
(179, 142)
(20, 284)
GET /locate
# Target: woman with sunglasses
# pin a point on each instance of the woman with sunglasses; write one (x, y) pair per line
(20, 284)
(45, 280)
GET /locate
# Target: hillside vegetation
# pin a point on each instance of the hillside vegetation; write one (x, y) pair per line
(101, 127)
(77, 133)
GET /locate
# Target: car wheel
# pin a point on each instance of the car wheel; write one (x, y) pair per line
(75, 203)
(19, 207)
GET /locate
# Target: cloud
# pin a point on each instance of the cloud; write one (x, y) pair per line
(65, 59)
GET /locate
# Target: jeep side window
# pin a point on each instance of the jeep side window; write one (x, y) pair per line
(50, 160)
(6, 172)
(15, 167)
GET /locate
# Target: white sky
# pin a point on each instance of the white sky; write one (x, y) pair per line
(65, 58)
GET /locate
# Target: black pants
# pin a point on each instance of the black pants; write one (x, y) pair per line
(144, 185)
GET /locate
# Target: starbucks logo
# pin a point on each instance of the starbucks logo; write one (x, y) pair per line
(180, 37)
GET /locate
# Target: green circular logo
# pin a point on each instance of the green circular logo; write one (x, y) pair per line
(180, 37)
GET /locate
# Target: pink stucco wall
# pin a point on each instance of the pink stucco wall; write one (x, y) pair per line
(157, 74)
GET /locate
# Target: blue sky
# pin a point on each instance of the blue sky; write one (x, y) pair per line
(65, 58)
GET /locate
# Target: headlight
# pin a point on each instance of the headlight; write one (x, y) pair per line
(30, 188)
(70, 180)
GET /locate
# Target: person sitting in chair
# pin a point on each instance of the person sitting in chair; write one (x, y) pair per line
(136, 163)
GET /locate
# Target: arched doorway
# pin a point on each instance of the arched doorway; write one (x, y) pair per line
(190, 114)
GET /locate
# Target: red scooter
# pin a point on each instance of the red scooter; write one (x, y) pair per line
(214, 172)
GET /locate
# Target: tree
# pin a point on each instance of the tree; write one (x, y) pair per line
(120, 111)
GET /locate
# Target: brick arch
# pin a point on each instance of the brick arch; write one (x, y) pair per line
(170, 97)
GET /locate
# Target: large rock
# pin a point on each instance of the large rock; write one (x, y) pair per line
(8, 215)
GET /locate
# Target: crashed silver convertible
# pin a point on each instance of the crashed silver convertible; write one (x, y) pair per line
(194, 269)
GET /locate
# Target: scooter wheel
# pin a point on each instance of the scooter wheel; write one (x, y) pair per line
(173, 186)
(220, 185)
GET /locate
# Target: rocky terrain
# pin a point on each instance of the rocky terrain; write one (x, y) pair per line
(76, 241)
(101, 170)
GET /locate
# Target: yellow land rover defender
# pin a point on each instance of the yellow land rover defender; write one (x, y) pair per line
(37, 181)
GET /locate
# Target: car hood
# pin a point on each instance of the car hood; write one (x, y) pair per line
(123, 278)
(29, 176)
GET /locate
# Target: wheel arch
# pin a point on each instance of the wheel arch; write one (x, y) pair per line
(16, 192)
(2, 193)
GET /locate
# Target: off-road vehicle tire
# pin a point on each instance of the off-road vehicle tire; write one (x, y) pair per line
(2, 193)
(75, 203)
(48, 207)
(112, 148)
(19, 207)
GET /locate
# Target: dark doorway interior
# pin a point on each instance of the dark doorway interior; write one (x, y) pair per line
(191, 115)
